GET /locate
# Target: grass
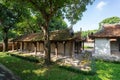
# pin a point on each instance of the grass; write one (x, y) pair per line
(37, 71)
(108, 70)
(88, 47)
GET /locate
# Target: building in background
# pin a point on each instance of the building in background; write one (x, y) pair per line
(107, 40)
(63, 42)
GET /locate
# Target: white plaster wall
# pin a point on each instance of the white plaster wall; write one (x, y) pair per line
(102, 46)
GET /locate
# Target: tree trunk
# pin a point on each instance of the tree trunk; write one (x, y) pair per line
(47, 45)
(5, 41)
(64, 43)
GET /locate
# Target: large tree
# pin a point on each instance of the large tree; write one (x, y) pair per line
(27, 24)
(47, 9)
(57, 23)
(7, 21)
(110, 20)
(11, 12)
(70, 9)
(31, 24)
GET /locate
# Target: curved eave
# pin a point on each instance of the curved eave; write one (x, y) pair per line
(93, 37)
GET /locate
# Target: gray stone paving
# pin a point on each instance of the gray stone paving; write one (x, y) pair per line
(6, 74)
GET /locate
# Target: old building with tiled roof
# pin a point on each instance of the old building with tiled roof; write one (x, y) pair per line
(107, 39)
(62, 42)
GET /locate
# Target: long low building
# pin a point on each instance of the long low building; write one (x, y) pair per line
(63, 42)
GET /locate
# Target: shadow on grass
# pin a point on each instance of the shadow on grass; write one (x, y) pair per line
(29, 58)
(77, 70)
(108, 70)
(37, 71)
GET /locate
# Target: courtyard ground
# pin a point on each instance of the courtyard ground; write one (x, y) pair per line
(6, 74)
(37, 71)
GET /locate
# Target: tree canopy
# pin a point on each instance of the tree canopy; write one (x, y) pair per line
(110, 20)
(28, 20)
(57, 23)
(69, 9)
(7, 20)
(88, 32)
(47, 10)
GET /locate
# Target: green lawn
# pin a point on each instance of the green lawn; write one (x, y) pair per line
(36, 71)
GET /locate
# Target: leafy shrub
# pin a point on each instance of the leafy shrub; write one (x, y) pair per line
(28, 58)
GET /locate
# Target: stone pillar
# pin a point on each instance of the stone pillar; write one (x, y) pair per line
(28, 46)
(21, 46)
(71, 49)
(39, 46)
(13, 46)
(43, 49)
(17, 46)
(35, 47)
(56, 49)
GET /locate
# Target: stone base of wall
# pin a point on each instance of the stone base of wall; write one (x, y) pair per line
(106, 57)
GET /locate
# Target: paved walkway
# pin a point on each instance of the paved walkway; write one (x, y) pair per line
(6, 74)
(81, 61)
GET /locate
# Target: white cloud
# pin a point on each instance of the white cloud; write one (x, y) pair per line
(100, 5)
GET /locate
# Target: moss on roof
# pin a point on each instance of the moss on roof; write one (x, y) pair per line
(54, 35)
(108, 31)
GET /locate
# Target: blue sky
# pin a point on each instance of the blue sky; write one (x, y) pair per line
(96, 12)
